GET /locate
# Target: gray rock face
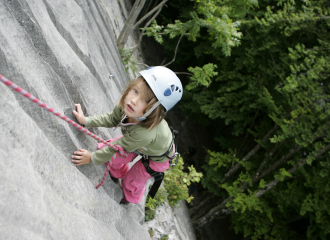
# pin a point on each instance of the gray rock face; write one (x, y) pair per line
(173, 223)
(62, 52)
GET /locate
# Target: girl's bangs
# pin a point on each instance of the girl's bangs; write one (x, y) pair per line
(147, 92)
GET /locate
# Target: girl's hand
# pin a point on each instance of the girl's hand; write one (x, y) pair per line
(79, 114)
(84, 157)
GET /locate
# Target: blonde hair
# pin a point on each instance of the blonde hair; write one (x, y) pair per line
(157, 115)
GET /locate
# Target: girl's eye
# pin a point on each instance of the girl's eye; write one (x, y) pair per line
(135, 91)
(145, 100)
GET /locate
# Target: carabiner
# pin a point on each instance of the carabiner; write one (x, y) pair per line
(176, 155)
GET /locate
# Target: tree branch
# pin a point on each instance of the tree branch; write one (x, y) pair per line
(266, 138)
(145, 26)
(176, 49)
(149, 14)
(184, 73)
(271, 153)
(216, 211)
(142, 64)
(285, 158)
(277, 163)
(151, 4)
(220, 209)
(292, 170)
(248, 156)
(194, 210)
(318, 134)
(127, 29)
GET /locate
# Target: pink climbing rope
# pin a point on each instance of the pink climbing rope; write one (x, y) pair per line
(116, 147)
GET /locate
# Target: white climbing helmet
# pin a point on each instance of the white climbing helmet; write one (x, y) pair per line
(166, 86)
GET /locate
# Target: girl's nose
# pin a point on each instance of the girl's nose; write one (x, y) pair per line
(134, 100)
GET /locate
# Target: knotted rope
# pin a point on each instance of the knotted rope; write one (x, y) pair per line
(116, 147)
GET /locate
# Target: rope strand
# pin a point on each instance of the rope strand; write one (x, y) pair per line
(116, 147)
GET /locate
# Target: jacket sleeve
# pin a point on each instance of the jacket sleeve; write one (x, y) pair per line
(130, 142)
(108, 120)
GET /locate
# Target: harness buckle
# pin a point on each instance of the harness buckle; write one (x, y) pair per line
(159, 176)
(176, 158)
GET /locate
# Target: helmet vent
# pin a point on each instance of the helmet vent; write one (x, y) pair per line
(167, 92)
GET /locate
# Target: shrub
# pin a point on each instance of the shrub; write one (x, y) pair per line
(176, 184)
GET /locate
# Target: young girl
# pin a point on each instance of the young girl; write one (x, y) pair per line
(140, 114)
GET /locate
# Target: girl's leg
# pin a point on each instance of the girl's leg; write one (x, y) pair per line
(134, 181)
(118, 166)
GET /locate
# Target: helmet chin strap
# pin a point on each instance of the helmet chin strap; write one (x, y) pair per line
(144, 117)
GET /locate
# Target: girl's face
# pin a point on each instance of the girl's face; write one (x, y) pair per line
(135, 102)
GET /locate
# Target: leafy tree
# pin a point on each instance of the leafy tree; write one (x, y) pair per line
(263, 76)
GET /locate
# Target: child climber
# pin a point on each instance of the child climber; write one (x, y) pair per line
(140, 114)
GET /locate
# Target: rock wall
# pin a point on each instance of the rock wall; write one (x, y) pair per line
(63, 52)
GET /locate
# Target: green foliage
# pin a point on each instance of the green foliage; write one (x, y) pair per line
(127, 59)
(268, 64)
(151, 204)
(325, 171)
(243, 201)
(165, 237)
(154, 30)
(214, 173)
(201, 76)
(218, 159)
(211, 15)
(282, 175)
(176, 182)
(316, 204)
(151, 232)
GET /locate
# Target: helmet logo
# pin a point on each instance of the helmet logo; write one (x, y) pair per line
(171, 89)
(154, 77)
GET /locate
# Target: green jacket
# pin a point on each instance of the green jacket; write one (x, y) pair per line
(153, 142)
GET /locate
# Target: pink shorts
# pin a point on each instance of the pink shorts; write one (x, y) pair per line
(134, 179)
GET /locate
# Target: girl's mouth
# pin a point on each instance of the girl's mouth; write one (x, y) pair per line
(130, 108)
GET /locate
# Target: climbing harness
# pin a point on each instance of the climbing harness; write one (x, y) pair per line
(159, 176)
(175, 156)
(116, 147)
